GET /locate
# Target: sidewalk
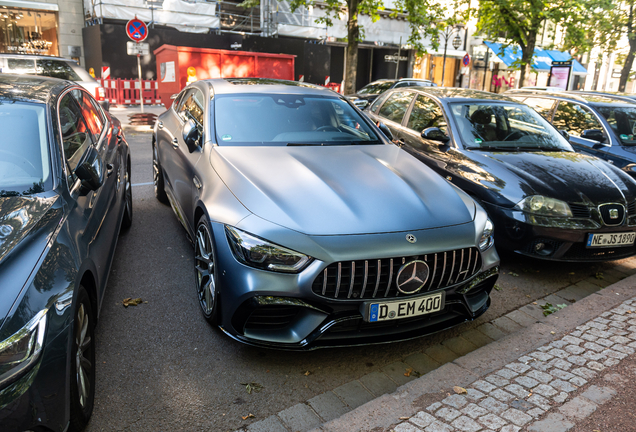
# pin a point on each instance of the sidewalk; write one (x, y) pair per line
(122, 113)
(548, 377)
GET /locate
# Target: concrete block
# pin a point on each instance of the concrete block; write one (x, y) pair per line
(506, 324)
(554, 422)
(534, 311)
(441, 354)
(396, 372)
(421, 363)
(578, 408)
(599, 395)
(476, 337)
(459, 345)
(300, 418)
(270, 424)
(353, 393)
(378, 383)
(328, 406)
(521, 318)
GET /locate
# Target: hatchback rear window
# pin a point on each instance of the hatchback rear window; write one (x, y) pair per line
(56, 69)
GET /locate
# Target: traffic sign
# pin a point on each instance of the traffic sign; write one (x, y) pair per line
(466, 60)
(133, 48)
(137, 30)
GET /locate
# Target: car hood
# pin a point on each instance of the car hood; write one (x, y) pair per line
(568, 176)
(335, 190)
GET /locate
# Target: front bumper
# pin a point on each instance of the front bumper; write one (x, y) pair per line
(513, 231)
(277, 310)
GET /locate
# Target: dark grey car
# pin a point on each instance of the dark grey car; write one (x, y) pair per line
(310, 229)
(64, 195)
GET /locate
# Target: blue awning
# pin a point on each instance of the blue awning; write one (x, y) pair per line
(542, 59)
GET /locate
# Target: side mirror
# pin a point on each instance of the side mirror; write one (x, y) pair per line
(565, 134)
(90, 171)
(385, 130)
(435, 134)
(191, 134)
(593, 134)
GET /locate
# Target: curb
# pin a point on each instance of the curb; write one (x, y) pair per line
(390, 409)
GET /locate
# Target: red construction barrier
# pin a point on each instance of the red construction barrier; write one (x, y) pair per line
(126, 91)
(333, 86)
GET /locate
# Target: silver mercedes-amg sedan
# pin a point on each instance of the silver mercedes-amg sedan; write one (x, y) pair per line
(310, 228)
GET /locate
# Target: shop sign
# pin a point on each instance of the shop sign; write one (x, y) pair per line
(394, 58)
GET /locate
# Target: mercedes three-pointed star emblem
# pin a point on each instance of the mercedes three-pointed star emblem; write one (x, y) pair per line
(412, 276)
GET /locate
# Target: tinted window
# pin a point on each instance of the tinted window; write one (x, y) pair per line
(76, 136)
(541, 105)
(193, 106)
(376, 88)
(18, 65)
(396, 105)
(24, 151)
(91, 114)
(492, 126)
(379, 101)
(402, 84)
(289, 120)
(575, 118)
(622, 120)
(56, 69)
(425, 114)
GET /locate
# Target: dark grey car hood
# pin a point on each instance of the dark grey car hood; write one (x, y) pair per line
(334, 190)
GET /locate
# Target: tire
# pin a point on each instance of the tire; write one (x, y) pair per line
(82, 362)
(205, 272)
(157, 177)
(126, 221)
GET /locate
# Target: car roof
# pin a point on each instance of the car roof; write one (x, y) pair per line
(28, 88)
(222, 86)
(455, 94)
(587, 98)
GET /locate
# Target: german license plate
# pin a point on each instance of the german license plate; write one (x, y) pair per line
(611, 239)
(407, 308)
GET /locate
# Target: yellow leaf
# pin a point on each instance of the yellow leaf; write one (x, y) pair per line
(552, 332)
(408, 372)
(307, 373)
(459, 390)
(248, 416)
(131, 302)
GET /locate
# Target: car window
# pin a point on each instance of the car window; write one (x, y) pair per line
(76, 135)
(376, 88)
(20, 66)
(425, 114)
(24, 149)
(622, 120)
(575, 118)
(541, 105)
(56, 69)
(396, 105)
(91, 114)
(192, 106)
(379, 101)
(402, 84)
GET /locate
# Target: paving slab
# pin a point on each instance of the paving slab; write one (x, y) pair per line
(506, 324)
(300, 418)
(459, 345)
(378, 383)
(441, 354)
(328, 406)
(270, 424)
(353, 394)
(521, 318)
(476, 337)
(491, 331)
(422, 363)
(398, 372)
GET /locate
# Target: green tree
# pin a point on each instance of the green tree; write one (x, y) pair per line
(519, 22)
(424, 18)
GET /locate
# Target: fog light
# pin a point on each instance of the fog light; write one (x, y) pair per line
(539, 246)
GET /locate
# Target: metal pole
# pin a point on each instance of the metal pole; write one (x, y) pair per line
(483, 86)
(141, 84)
(397, 61)
(446, 37)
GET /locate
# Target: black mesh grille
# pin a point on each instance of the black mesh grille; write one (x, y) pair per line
(375, 278)
(612, 214)
(631, 208)
(273, 317)
(578, 251)
(580, 211)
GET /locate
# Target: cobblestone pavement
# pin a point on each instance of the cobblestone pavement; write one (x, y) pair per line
(534, 393)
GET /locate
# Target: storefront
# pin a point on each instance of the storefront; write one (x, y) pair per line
(432, 66)
(28, 28)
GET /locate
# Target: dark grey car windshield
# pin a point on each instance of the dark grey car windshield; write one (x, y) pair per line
(24, 151)
(375, 88)
(506, 127)
(622, 119)
(285, 119)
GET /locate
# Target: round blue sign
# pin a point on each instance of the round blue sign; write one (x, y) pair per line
(137, 30)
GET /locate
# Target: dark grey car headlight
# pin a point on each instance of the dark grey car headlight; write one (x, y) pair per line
(22, 349)
(487, 239)
(544, 206)
(260, 253)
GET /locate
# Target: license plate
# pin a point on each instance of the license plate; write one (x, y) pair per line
(399, 309)
(611, 239)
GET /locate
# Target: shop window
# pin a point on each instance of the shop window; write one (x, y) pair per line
(28, 31)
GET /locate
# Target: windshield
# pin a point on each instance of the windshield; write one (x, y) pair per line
(24, 151)
(505, 126)
(289, 120)
(622, 120)
(376, 88)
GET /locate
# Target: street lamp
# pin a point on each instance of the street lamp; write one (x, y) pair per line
(457, 41)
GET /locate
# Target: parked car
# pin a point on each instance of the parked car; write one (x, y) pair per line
(371, 91)
(630, 97)
(55, 67)
(64, 196)
(545, 200)
(599, 125)
(310, 229)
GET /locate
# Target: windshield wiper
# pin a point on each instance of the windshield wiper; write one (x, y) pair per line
(494, 148)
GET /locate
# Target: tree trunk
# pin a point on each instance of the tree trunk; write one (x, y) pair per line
(629, 61)
(527, 52)
(353, 33)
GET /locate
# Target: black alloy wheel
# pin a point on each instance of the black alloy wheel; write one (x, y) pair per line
(82, 362)
(126, 221)
(157, 177)
(205, 272)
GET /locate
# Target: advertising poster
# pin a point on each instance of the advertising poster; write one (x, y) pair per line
(560, 76)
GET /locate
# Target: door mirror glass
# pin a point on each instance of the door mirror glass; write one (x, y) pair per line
(90, 171)
(191, 134)
(435, 134)
(593, 134)
(385, 130)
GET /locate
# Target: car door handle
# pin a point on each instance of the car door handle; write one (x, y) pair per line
(160, 125)
(175, 143)
(197, 182)
(109, 169)
(399, 142)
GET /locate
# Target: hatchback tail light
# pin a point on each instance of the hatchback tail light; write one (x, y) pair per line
(99, 93)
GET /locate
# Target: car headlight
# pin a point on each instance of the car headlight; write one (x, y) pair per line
(538, 204)
(259, 253)
(22, 349)
(486, 239)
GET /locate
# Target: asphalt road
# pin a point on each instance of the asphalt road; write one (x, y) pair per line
(160, 366)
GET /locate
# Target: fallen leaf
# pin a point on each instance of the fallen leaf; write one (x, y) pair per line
(131, 302)
(552, 332)
(599, 275)
(572, 273)
(513, 274)
(307, 373)
(248, 416)
(497, 287)
(460, 390)
(534, 303)
(252, 387)
(408, 372)
(404, 418)
(528, 295)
